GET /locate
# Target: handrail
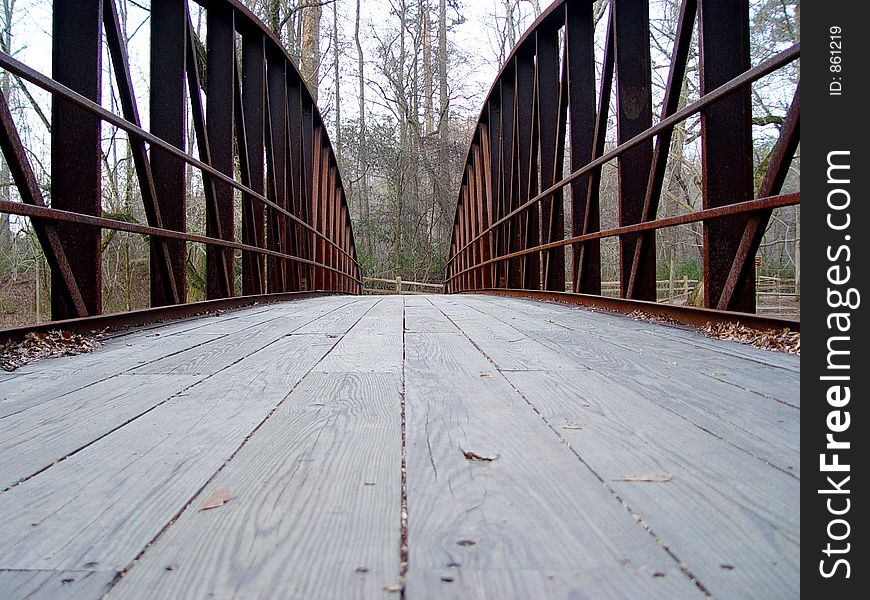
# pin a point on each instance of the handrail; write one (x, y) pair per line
(260, 117)
(509, 229)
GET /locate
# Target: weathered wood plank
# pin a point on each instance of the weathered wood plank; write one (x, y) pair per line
(219, 354)
(721, 507)
(753, 423)
(35, 438)
(50, 383)
(508, 513)
(618, 331)
(374, 343)
(103, 505)
(317, 512)
(51, 585)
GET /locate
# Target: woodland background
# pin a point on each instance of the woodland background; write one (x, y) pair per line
(400, 84)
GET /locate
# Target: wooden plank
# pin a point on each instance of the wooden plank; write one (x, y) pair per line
(35, 438)
(103, 505)
(761, 378)
(47, 383)
(721, 507)
(317, 512)
(221, 353)
(373, 344)
(507, 514)
(765, 428)
(50, 585)
(340, 321)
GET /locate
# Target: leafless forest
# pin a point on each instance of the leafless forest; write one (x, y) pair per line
(399, 83)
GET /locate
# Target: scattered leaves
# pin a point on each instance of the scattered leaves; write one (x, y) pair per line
(639, 315)
(649, 477)
(779, 340)
(219, 497)
(469, 455)
(37, 345)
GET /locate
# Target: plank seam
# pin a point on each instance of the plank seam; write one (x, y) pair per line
(546, 342)
(120, 574)
(636, 516)
(161, 403)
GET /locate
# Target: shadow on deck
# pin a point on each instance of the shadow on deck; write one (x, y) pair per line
(457, 446)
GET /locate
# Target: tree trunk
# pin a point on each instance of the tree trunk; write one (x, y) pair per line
(310, 58)
(443, 121)
(361, 168)
(336, 53)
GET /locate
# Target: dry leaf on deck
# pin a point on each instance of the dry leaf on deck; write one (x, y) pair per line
(219, 497)
(479, 457)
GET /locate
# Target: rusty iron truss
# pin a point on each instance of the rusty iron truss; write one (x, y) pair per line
(258, 134)
(509, 233)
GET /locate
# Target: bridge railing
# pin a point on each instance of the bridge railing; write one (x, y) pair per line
(509, 229)
(258, 133)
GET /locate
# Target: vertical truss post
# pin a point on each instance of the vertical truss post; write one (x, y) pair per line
(220, 87)
(296, 181)
(726, 145)
(492, 158)
(276, 90)
(527, 154)
(634, 115)
(512, 239)
(580, 59)
(322, 207)
(76, 170)
(167, 117)
(253, 112)
(309, 184)
(551, 133)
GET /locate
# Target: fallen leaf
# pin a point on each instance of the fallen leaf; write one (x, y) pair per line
(219, 497)
(570, 425)
(392, 589)
(466, 542)
(485, 375)
(651, 477)
(478, 457)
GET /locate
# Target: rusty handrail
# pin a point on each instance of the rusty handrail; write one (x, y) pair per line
(508, 230)
(257, 116)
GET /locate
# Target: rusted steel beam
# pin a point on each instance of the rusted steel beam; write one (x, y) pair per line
(587, 136)
(28, 187)
(115, 322)
(513, 239)
(551, 137)
(220, 90)
(277, 91)
(76, 169)
(726, 144)
(117, 46)
(323, 206)
(768, 66)
(676, 75)
(316, 182)
(48, 84)
(219, 277)
(295, 181)
(685, 315)
(726, 211)
(167, 122)
(309, 181)
(51, 214)
(527, 154)
(777, 170)
(250, 119)
(634, 116)
(492, 160)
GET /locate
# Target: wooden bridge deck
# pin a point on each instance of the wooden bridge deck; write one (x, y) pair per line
(493, 444)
